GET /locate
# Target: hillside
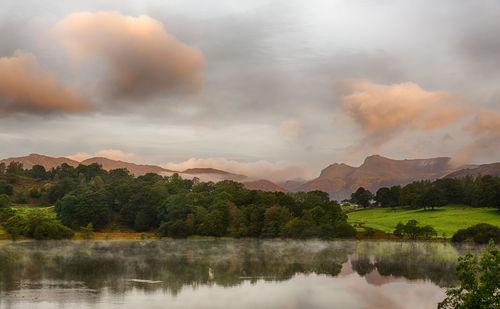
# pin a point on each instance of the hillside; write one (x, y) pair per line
(37, 159)
(340, 180)
(484, 169)
(264, 185)
(135, 169)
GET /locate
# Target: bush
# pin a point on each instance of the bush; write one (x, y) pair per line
(52, 230)
(174, 229)
(4, 200)
(15, 226)
(22, 199)
(344, 229)
(481, 233)
(35, 192)
(412, 230)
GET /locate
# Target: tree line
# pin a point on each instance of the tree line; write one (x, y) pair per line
(177, 207)
(482, 191)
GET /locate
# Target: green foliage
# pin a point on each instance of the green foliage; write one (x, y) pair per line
(52, 229)
(5, 188)
(22, 199)
(176, 207)
(362, 197)
(87, 232)
(14, 226)
(4, 200)
(479, 282)
(174, 229)
(412, 230)
(37, 171)
(35, 191)
(89, 207)
(15, 169)
(481, 233)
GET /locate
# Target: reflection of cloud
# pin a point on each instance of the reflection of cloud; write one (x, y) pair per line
(384, 111)
(254, 170)
(142, 58)
(29, 88)
(486, 129)
(108, 153)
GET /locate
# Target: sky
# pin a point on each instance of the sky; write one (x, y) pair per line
(269, 89)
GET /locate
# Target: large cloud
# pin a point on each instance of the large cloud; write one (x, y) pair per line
(278, 171)
(384, 111)
(486, 129)
(141, 58)
(25, 86)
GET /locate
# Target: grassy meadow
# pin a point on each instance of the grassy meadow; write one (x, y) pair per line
(447, 219)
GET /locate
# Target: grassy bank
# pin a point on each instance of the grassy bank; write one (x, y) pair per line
(447, 219)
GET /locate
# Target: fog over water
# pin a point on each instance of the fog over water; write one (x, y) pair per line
(226, 273)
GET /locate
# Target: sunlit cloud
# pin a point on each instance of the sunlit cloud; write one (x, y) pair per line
(142, 59)
(30, 88)
(385, 111)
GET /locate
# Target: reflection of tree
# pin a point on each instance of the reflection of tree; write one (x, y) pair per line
(176, 263)
(428, 261)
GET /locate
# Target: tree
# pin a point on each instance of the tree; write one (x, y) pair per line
(382, 197)
(38, 171)
(15, 169)
(2, 168)
(479, 282)
(362, 197)
(6, 188)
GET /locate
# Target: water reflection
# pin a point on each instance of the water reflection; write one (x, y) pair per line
(109, 271)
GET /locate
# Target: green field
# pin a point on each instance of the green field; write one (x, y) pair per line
(447, 219)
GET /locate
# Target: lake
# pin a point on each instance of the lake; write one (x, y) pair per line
(226, 274)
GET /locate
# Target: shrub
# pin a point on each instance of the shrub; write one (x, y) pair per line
(344, 229)
(4, 200)
(52, 230)
(35, 192)
(15, 226)
(481, 233)
(22, 199)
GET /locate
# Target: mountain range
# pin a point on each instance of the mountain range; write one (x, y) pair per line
(338, 179)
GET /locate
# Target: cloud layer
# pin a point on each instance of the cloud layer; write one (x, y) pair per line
(28, 87)
(142, 59)
(278, 171)
(384, 111)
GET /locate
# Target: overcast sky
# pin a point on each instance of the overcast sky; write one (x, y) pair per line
(275, 88)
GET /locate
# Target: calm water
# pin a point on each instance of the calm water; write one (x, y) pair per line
(225, 273)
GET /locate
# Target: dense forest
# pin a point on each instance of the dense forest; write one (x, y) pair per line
(170, 206)
(483, 191)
